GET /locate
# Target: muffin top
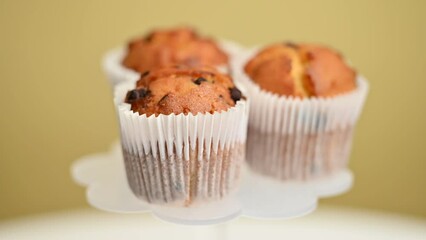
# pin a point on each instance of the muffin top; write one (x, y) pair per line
(181, 46)
(185, 90)
(301, 70)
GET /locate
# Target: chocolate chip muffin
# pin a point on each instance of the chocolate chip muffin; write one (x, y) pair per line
(305, 103)
(181, 89)
(165, 47)
(183, 133)
(302, 70)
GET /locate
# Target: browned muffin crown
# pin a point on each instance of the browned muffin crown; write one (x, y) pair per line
(301, 70)
(183, 90)
(181, 46)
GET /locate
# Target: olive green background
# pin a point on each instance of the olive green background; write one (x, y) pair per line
(56, 103)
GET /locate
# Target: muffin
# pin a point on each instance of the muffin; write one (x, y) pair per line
(173, 46)
(162, 48)
(305, 104)
(183, 134)
(303, 71)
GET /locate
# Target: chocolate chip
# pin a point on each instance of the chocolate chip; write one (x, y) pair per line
(144, 74)
(235, 94)
(199, 80)
(161, 102)
(291, 44)
(136, 94)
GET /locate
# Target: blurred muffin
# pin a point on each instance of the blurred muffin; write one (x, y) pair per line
(305, 101)
(183, 135)
(165, 47)
(304, 70)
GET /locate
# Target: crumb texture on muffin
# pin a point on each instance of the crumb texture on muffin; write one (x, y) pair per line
(181, 89)
(165, 47)
(301, 70)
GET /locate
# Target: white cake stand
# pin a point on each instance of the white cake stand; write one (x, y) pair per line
(104, 176)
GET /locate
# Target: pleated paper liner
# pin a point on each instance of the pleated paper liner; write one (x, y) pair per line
(258, 197)
(181, 159)
(292, 138)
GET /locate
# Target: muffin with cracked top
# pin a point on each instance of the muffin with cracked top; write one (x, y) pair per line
(164, 47)
(309, 99)
(303, 70)
(183, 134)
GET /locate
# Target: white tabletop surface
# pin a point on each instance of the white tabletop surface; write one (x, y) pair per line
(325, 223)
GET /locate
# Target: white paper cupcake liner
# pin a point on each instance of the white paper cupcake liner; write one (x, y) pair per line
(117, 73)
(291, 138)
(182, 159)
